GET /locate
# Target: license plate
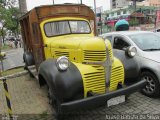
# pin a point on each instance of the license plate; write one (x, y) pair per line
(116, 100)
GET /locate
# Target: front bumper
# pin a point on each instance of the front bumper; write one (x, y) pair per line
(98, 100)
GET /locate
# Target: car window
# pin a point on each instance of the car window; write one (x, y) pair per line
(109, 38)
(119, 43)
(146, 41)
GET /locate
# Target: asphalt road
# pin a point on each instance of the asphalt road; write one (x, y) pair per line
(14, 58)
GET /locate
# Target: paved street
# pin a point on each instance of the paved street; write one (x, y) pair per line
(14, 58)
(28, 98)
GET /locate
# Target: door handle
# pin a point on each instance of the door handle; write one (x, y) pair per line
(45, 45)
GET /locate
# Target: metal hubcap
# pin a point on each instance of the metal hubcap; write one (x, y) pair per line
(150, 87)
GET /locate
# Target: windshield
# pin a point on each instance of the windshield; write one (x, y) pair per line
(66, 27)
(146, 41)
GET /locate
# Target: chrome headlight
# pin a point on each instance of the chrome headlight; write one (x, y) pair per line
(62, 63)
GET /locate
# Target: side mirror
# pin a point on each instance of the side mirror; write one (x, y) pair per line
(131, 51)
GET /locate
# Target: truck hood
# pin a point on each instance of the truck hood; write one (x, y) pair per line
(92, 43)
(152, 55)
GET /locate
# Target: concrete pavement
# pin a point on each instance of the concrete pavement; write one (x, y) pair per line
(14, 58)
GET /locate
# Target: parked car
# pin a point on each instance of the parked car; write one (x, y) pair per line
(140, 53)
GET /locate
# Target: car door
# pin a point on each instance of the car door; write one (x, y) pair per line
(120, 45)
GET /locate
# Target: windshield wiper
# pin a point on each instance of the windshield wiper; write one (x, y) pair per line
(151, 49)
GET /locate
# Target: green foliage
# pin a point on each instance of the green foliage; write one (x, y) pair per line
(12, 19)
(9, 15)
(133, 22)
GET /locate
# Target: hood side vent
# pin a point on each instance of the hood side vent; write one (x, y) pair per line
(59, 54)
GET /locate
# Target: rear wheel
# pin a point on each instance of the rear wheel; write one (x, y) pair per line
(28, 60)
(152, 89)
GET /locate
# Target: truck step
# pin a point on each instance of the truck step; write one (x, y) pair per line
(32, 67)
(33, 71)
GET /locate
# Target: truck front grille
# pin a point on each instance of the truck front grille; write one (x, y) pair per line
(94, 56)
(95, 81)
(59, 53)
(116, 77)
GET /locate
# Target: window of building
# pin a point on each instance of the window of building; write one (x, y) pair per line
(112, 14)
(124, 12)
(118, 13)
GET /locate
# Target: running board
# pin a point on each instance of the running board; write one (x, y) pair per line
(32, 70)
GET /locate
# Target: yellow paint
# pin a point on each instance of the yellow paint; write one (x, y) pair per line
(9, 111)
(7, 95)
(117, 74)
(92, 79)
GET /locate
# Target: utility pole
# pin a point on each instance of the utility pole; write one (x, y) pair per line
(95, 16)
(1, 59)
(95, 6)
(135, 5)
(53, 2)
(81, 1)
(23, 6)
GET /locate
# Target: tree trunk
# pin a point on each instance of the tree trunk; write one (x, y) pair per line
(2, 33)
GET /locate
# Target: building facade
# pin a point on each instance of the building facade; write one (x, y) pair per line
(143, 3)
(155, 3)
(142, 15)
(119, 3)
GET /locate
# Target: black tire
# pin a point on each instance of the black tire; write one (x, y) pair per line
(152, 89)
(28, 60)
(56, 105)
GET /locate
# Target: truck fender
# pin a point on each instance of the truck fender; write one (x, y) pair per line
(28, 58)
(65, 85)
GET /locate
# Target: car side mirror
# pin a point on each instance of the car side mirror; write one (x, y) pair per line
(131, 51)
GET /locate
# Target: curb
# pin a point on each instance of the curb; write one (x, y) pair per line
(14, 75)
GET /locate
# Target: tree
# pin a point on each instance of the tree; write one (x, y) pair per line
(3, 16)
(12, 20)
(9, 15)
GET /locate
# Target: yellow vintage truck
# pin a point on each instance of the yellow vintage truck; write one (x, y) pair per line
(78, 67)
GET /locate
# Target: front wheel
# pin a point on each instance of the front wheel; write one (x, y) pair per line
(56, 105)
(152, 89)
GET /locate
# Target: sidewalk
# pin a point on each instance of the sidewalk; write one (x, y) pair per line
(27, 98)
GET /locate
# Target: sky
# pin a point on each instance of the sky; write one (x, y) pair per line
(104, 4)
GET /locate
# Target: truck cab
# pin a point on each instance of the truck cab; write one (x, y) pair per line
(78, 67)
